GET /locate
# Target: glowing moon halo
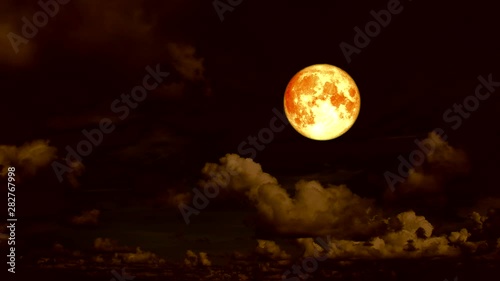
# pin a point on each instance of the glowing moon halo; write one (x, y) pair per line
(322, 102)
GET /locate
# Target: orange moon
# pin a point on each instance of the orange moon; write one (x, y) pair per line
(322, 102)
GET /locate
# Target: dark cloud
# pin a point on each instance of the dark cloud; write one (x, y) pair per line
(27, 159)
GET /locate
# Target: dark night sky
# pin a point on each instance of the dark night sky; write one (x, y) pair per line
(65, 78)
(226, 77)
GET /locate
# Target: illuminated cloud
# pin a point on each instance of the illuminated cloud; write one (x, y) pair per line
(140, 256)
(28, 158)
(317, 210)
(314, 210)
(459, 236)
(194, 260)
(485, 223)
(478, 219)
(413, 239)
(271, 249)
(123, 254)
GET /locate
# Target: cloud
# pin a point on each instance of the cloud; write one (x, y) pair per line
(140, 256)
(112, 23)
(87, 218)
(154, 145)
(313, 210)
(412, 239)
(441, 164)
(93, 26)
(194, 260)
(148, 31)
(492, 223)
(459, 236)
(8, 54)
(446, 158)
(77, 169)
(483, 205)
(58, 248)
(186, 62)
(357, 227)
(173, 199)
(63, 251)
(4, 233)
(98, 259)
(105, 244)
(437, 182)
(124, 254)
(478, 219)
(271, 249)
(190, 66)
(28, 158)
(10, 27)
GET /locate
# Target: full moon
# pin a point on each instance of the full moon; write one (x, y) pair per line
(322, 102)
